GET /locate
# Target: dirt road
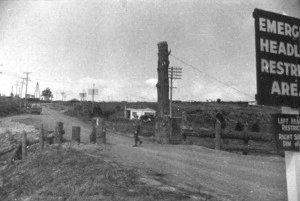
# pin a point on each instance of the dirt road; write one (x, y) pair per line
(202, 172)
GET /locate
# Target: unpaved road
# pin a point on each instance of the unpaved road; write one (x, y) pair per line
(224, 176)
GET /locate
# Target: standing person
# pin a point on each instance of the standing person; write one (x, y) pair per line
(136, 134)
(221, 119)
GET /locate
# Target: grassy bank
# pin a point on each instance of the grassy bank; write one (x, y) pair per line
(76, 174)
(9, 106)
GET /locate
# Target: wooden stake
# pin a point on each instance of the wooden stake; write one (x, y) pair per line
(41, 139)
(58, 132)
(24, 145)
(103, 132)
(246, 141)
(76, 134)
(218, 135)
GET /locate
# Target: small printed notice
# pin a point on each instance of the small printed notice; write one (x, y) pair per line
(287, 132)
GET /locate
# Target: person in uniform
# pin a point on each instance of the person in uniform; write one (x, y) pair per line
(136, 134)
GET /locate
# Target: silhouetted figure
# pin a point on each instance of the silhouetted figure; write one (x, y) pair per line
(136, 134)
(220, 117)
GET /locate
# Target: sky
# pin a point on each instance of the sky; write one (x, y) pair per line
(70, 46)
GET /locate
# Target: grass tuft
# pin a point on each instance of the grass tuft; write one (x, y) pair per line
(70, 174)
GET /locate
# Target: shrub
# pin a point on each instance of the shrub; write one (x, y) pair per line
(9, 106)
(239, 126)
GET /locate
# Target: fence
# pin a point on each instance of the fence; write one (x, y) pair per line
(19, 149)
(231, 139)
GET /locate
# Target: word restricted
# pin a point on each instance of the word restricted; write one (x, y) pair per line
(287, 132)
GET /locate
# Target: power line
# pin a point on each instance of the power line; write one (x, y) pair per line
(208, 75)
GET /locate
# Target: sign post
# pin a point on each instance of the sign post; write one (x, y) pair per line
(287, 131)
(277, 39)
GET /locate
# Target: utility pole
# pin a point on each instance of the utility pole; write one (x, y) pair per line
(23, 79)
(174, 74)
(17, 84)
(26, 87)
(93, 92)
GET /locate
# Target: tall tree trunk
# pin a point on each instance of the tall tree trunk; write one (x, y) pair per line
(161, 129)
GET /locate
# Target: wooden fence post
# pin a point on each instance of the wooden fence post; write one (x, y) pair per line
(99, 130)
(103, 132)
(246, 141)
(24, 145)
(59, 132)
(93, 135)
(184, 120)
(76, 134)
(218, 135)
(41, 139)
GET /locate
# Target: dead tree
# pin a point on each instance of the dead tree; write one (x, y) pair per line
(161, 126)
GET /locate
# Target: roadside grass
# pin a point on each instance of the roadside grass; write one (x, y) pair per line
(70, 174)
(9, 106)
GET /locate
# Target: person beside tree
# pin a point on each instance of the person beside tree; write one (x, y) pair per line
(136, 134)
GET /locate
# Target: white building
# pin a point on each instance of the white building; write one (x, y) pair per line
(133, 113)
(252, 103)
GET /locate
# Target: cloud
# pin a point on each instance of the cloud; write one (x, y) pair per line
(151, 81)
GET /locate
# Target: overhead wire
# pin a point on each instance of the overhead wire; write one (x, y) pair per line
(210, 76)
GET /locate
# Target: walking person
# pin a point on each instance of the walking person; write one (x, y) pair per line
(136, 134)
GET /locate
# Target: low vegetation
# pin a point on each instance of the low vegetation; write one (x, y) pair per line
(74, 174)
(9, 106)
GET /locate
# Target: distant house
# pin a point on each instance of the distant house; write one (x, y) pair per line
(134, 113)
(252, 103)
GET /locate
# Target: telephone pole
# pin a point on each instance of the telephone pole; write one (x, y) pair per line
(26, 87)
(23, 79)
(17, 84)
(93, 99)
(174, 74)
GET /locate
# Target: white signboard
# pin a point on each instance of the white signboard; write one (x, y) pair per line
(93, 92)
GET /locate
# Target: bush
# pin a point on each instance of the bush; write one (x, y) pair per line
(255, 128)
(97, 111)
(9, 106)
(239, 126)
